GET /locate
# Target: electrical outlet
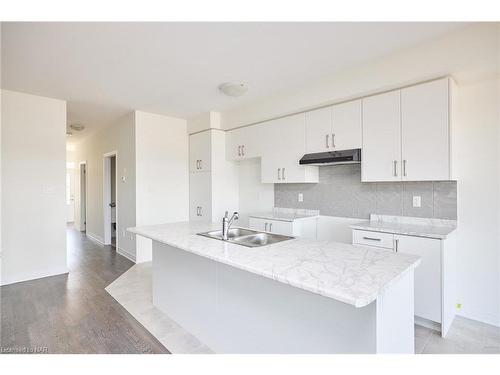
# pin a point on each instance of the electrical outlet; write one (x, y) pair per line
(417, 202)
(301, 197)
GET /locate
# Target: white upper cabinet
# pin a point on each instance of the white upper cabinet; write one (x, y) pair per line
(334, 128)
(244, 143)
(319, 130)
(346, 129)
(283, 146)
(425, 131)
(199, 151)
(381, 154)
(407, 134)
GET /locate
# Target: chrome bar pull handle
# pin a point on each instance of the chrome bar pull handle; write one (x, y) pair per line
(396, 245)
(265, 227)
(404, 168)
(333, 140)
(239, 150)
(279, 170)
(395, 168)
(270, 227)
(283, 174)
(243, 150)
(326, 141)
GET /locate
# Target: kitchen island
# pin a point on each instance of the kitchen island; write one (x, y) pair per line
(295, 296)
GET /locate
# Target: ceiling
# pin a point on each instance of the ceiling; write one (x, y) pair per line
(104, 70)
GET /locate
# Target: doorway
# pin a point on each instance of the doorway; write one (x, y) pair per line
(70, 192)
(83, 196)
(110, 198)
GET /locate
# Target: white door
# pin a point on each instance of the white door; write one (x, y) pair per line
(244, 143)
(425, 131)
(427, 275)
(346, 130)
(381, 155)
(319, 130)
(257, 224)
(284, 146)
(199, 151)
(70, 194)
(200, 196)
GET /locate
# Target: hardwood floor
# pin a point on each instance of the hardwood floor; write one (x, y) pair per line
(73, 313)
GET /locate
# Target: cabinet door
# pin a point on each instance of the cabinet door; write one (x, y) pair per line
(425, 131)
(381, 155)
(200, 207)
(346, 131)
(244, 143)
(257, 224)
(284, 145)
(280, 227)
(427, 275)
(273, 226)
(199, 151)
(319, 130)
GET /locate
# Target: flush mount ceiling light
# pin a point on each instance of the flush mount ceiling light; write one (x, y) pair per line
(77, 127)
(233, 89)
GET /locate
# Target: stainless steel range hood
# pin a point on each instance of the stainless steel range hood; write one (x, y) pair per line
(332, 157)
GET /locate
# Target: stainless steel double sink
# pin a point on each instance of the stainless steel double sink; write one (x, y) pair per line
(247, 237)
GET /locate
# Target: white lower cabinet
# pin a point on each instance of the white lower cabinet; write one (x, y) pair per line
(304, 228)
(273, 226)
(435, 280)
(428, 291)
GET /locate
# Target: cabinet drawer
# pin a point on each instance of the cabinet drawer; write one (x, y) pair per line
(376, 239)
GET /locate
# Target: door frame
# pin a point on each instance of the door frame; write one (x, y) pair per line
(83, 223)
(106, 196)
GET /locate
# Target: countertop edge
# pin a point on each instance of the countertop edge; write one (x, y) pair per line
(357, 303)
(402, 232)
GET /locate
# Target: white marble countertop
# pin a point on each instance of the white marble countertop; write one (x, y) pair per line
(430, 228)
(350, 274)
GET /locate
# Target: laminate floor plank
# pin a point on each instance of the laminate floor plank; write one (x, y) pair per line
(73, 313)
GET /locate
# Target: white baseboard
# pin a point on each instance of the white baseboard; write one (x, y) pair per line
(41, 275)
(95, 238)
(480, 316)
(125, 254)
(427, 323)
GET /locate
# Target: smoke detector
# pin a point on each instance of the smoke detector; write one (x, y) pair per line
(77, 127)
(233, 89)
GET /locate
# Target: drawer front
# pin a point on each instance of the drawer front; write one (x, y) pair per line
(375, 239)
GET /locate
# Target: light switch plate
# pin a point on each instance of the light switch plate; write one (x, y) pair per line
(417, 202)
(301, 197)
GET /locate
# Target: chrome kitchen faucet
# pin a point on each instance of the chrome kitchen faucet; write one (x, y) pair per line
(226, 224)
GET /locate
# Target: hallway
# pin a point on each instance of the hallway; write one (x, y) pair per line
(73, 313)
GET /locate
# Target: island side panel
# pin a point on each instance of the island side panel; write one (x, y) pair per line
(395, 317)
(235, 311)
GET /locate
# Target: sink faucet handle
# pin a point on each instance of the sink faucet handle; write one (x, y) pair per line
(236, 214)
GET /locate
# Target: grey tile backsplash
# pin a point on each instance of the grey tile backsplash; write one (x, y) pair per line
(340, 192)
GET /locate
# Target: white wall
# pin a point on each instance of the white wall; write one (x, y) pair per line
(162, 173)
(471, 56)
(118, 137)
(254, 195)
(33, 187)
